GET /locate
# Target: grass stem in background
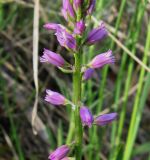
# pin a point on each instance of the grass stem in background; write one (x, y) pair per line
(138, 104)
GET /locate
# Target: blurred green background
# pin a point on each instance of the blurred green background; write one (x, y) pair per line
(123, 87)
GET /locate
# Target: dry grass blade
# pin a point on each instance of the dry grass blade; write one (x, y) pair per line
(125, 49)
(35, 59)
(10, 144)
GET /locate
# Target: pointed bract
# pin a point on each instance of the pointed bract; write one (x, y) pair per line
(86, 116)
(60, 153)
(105, 119)
(53, 58)
(97, 34)
(102, 59)
(55, 98)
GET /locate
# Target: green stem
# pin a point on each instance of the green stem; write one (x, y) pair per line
(77, 99)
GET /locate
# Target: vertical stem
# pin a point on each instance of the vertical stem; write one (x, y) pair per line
(77, 98)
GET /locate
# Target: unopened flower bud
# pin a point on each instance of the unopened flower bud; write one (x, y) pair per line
(53, 58)
(60, 153)
(97, 34)
(77, 3)
(86, 116)
(105, 119)
(91, 7)
(67, 10)
(88, 74)
(80, 27)
(102, 59)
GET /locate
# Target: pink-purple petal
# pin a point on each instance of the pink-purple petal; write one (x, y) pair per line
(97, 34)
(88, 74)
(105, 119)
(60, 153)
(53, 58)
(54, 98)
(102, 59)
(86, 116)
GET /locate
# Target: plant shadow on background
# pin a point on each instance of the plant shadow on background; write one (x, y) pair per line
(123, 87)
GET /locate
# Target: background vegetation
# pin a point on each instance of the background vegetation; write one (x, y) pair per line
(123, 87)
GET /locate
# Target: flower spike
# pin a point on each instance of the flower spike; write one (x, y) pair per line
(97, 34)
(86, 116)
(53, 58)
(60, 153)
(102, 59)
(105, 119)
(55, 98)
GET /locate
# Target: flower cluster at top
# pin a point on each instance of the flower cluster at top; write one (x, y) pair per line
(72, 38)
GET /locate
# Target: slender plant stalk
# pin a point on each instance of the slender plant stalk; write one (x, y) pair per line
(103, 82)
(132, 131)
(115, 140)
(119, 79)
(13, 127)
(134, 36)
(77, 100)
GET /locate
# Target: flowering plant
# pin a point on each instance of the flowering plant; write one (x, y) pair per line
(74, 38)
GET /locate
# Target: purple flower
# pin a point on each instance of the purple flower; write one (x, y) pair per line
(86, 116)
(53, 58)
(55, 98)
(88, 74)
(64, 13)
(80, 27)
(102, 59)
(105, 119)
(60, 153)
(51, 26)
(65, 39)
(77, 3)
(66, 158)
(97, 34)
(67, 9)
(91, 6)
